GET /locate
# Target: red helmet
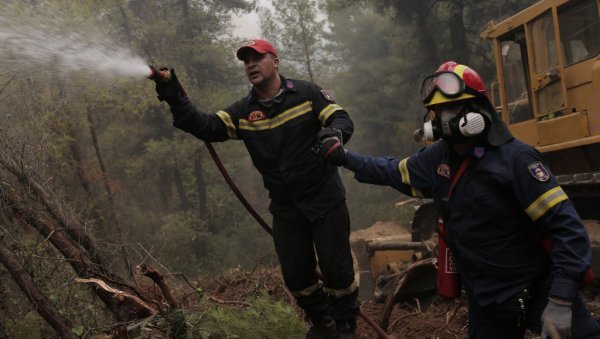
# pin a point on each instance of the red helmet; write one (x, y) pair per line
(452, 82)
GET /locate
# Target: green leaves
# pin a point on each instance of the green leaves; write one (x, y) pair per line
(78, 330)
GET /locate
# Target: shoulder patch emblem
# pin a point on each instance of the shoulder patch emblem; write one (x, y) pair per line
(327, 95)
(256, 115)
(444, 170)
(538, 171)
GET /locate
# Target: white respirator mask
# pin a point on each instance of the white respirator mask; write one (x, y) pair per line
(454, 127)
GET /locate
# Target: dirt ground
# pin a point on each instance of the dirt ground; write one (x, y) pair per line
(443, 319)
(439, 320)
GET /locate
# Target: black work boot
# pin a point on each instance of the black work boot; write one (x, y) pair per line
(324, 329)
(346, 329)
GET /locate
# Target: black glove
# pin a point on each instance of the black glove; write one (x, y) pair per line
(330, 146)
(556, 319)
(169, 90)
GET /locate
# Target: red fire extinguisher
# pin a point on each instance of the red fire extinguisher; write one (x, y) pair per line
(448, 280)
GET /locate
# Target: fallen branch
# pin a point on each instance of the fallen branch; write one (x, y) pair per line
(122, 297)
(159, 280)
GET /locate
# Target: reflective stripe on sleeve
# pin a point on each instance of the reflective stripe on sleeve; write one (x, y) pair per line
(226, 118)
(343, 292)
(545, 202)
(404, 174)
(307, 291)
(328, 111)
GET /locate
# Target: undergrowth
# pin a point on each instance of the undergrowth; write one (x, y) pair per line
(261, 318)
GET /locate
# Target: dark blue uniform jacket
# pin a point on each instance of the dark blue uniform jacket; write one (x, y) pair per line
(279, 139)
(505, 195)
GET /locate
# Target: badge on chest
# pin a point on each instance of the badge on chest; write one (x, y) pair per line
(256, 116)
(444, 170)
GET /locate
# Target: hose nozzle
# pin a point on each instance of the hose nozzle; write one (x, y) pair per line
(162, 74)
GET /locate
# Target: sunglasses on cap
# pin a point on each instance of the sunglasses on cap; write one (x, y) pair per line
(448, 83)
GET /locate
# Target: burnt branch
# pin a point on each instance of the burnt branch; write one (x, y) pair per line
(159, 280)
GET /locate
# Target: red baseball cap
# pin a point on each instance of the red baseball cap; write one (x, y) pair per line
(261, 46)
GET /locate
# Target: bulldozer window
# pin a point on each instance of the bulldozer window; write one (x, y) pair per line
(515, 79)
(544, 42)
(579, 31)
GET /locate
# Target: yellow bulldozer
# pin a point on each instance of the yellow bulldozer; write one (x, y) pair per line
(548, 92)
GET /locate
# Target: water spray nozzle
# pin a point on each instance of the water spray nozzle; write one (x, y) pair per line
(162, 74)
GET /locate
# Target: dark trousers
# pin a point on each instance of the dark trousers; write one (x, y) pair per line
(297, 240)
(500, 324)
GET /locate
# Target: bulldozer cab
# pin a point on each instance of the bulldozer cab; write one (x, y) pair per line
(548, 73)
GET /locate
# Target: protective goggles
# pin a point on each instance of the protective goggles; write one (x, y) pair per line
(448, 83)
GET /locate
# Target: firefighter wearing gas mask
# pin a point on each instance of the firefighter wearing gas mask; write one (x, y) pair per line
(460, 111)
(520, 250)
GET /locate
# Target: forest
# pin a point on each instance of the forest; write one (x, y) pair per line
(100, 196)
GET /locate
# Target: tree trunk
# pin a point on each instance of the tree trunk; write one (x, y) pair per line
(427, 45)
(458, 33)
(200, 184)
(305, 47)
(418, 14)
(107, 187)
(80, 168)
(185, 202)
(109, 194)
(2, 332)
(164, 188)
(43, 306)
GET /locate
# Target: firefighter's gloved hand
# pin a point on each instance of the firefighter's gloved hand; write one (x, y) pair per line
(556, 319)
(331, 146)
(169, 90)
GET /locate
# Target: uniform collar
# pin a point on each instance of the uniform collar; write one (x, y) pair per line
(477, 151)
(286, 84)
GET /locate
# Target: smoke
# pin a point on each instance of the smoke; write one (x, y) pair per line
(46, 38)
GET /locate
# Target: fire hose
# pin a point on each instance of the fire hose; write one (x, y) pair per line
(158, 75)
(267, 228)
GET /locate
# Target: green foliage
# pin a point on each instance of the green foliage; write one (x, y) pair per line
(29, 326)
(78, 330)
(189, 247)
(262, 319)
(177, 242)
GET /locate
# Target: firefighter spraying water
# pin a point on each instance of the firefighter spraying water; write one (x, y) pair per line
(327, 298)
(49, 43)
